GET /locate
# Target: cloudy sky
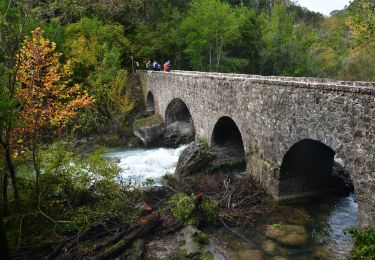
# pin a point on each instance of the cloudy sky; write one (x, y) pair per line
(323, 6)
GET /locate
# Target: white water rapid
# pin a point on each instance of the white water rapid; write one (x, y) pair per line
(138, 165)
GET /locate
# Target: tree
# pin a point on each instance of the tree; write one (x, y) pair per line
(209, 27)
(13, 25)
(46, 96)
(277, 32)
(97, 52)
(362, 21)
(332, 47)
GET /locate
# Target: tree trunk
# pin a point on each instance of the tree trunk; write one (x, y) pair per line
(3, 242)
(12, 171)
(37, 173)
(4, 198)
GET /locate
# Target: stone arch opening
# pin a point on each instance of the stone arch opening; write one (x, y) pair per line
(179, 123)
(150, 103)
(310, 168)
(227, 142)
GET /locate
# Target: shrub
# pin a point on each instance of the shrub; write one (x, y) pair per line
(210, 210)
(183, 208)
(188, 210)
(364, 240)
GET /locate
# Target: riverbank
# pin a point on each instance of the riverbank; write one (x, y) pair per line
(232, 216)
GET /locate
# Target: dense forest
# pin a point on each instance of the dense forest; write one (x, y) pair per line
(65, 73)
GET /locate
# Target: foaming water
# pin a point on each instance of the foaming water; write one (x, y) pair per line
(137, 165)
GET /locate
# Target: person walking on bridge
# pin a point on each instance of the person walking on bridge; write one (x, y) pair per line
(167, 66)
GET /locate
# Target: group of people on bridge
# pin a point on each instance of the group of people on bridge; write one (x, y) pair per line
(155, 66)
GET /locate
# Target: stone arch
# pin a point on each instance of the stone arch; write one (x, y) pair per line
(179, 123)
(150, 102)
(310, 168)
(227, 140)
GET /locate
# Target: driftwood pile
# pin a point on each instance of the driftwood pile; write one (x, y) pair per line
(116, 242)
(240, 199)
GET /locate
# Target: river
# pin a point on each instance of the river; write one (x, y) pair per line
(327, 216)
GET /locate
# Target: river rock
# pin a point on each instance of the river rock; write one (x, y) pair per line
(291, 235)
(297, 216)
(322, 253)
(150, 129)
(279, 258)
(270, 247)
(193, 158)
(171, 246)
(179, 132)
(247, 254)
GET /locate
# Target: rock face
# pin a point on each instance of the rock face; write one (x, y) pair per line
(179, 132)
(290, 235)
(193, 158)
(172, 246)
(150, 129)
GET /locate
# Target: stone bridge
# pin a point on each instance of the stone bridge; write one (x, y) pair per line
(292, 130)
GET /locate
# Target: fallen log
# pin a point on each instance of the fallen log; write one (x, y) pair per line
(114, 250)
(117, 238)
(98, 231)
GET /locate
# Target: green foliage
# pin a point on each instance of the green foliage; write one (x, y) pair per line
(364, 240)
(149, 182)
(106, 211)
(201, 239)
(199, 255)
(96, 51)
(279, 226)
(362, 21)
(189, 211)
(183, 208)
(210, 210)
(210, 26)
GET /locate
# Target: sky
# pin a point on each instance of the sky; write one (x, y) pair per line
(323, 6)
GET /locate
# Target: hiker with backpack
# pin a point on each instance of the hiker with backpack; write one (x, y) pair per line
(167, 66)
(156, 66)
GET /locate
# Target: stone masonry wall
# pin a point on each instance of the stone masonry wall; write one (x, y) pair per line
(273, 113)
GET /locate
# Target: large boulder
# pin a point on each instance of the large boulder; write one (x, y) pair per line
(190, 242)
(179, 132)
(150, 129)
(290, 235)
(193, 158)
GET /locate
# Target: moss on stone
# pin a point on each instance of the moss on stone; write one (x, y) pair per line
(149, 121)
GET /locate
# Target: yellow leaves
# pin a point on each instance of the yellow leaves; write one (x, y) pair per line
(47, 97)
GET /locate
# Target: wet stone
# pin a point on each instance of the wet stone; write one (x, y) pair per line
(270, 247)
(247, 254)
(291, 235)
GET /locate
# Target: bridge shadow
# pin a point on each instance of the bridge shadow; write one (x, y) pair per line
(179, 123)
(150, 103)
(309, 168)
(227, 143)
